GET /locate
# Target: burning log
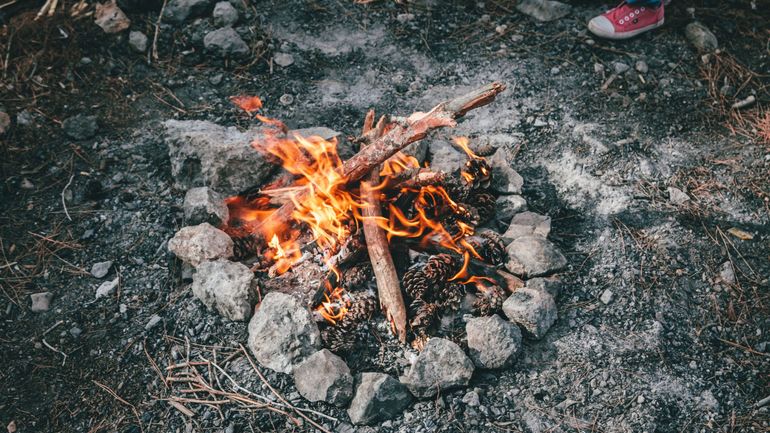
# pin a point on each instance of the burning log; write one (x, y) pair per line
(388, 287)
(402, 133)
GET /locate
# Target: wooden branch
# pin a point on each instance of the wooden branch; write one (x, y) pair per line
(417, 178)
(388, 286)
(400, 135)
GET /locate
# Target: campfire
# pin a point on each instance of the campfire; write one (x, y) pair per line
(418, 227)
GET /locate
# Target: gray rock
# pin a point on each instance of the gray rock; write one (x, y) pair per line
(505, 180)
(404, 18)
(444, 157)
(471, 398)
(282, 333)
(727, 273)
(204, 205)
(177, 11)
(41, 302)
(620, 67)
(283, 59)
(550, 285)
(80, 127)
(441, 365)
(197, 244)
(527, 224)
(107, 288)
(224, 14)
(544, 10)
(100, 270)
(378, 397)
(204, 153)
(23, 118)
(137, 41)
(225, 42)
(508, 206)
(677, 196)
(324, 376)
(153, 322)
(535, 312)
(226, 287)
(419, 150)
(492, 341)
(216, 79)
(318, 131)
(606, 296)
(75, 332)
(641, 67)
(701, 37)
(534, 256)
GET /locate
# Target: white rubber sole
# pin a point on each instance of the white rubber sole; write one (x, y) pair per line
(626, 35)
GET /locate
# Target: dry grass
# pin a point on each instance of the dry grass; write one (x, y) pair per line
(728, 81)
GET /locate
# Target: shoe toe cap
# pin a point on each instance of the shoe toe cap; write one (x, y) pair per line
(601, 26)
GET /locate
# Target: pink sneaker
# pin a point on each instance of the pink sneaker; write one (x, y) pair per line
(626, 21)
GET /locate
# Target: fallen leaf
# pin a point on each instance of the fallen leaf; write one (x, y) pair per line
(111, 18)
(248, 104)
(740, 234)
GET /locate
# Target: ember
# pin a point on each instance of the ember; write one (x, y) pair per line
(325, 201)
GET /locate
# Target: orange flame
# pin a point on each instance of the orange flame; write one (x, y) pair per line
(329, 206)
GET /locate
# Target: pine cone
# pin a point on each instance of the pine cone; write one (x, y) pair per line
(484, 150)
(457, 189)
(485, 204)
(467, 214)
(339, 338)
(493, 249)
(440, 268)
(479, 172)
(357, 277)
(490, 301)
(424, 315)
(360, 310)
(245, 246)
(342, 336)
(416, 284)
(420, 340)
(451, 296)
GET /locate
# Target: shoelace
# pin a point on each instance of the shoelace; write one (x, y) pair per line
(635, 13)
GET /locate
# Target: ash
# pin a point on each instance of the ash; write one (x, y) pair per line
(662, 315)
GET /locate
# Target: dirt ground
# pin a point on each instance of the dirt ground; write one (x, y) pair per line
(679, 346)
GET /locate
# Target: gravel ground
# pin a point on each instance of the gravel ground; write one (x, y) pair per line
(663, 320)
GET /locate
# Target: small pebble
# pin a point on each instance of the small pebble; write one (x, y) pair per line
(641, 67)
(283, 59)
(153, 322)
(606, 297)
(555, 70)
(286, 99)
(620, 67)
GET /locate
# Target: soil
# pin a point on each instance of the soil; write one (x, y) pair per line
(679, 346)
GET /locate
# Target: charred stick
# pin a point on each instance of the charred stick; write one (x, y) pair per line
(388, 286)
(400, 135)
